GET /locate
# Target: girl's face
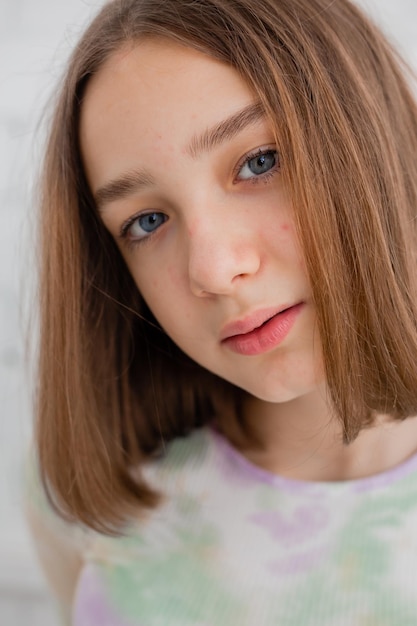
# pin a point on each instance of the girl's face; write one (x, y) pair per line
(187, 178)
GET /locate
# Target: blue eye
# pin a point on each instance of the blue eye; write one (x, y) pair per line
(259, 164)
(144, 225)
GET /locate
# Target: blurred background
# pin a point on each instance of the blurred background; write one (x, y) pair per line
(35, 39)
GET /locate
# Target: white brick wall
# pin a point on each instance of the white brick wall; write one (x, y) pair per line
(35, 36)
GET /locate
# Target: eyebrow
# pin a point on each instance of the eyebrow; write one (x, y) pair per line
(121, 187)
(133, 181)
(225, 130)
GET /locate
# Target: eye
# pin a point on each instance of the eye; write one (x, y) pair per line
(142, 226)
(258, 164)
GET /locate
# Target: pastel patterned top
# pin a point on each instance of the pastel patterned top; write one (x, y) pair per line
(233, 545)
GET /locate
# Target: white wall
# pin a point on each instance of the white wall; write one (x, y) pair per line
(35, 37)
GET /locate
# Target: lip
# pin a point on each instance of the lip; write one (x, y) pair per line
(262, 331)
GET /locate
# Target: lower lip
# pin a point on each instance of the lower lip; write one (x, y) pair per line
(267, 336)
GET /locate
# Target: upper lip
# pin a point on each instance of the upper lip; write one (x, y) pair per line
(250, 322)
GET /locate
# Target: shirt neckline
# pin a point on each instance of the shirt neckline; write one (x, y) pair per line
(258, 474)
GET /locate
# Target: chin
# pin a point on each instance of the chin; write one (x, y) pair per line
(278, 392)
(279, 397)
(275, 394)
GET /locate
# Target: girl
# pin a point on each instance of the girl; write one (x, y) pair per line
(228, 362)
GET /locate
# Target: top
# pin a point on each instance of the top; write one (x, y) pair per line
(234, 545)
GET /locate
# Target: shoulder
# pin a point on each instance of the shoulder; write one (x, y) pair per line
(60, 546)
(193, 453)
(186, 475)
(38, 507)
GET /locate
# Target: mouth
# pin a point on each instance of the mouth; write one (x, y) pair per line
(262, 331)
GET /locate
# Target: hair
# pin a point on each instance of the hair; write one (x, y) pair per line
(112, 386)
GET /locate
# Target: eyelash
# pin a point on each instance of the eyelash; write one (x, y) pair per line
(255, 179)
(260, 152)
(126, 226)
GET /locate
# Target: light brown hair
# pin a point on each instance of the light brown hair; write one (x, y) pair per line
(112, 386)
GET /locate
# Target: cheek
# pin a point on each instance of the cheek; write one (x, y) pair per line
(154, 280)
(174, 277)
(282, 237)
(149, 283)
(162, 288)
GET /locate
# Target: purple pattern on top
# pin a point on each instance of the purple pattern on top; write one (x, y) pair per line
(300, 563)
(299, 527)
(91, 606)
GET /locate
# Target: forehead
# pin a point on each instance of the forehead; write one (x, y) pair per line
(162, 61)
(155, 92)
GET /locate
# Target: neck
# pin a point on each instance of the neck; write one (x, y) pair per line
(302, 439)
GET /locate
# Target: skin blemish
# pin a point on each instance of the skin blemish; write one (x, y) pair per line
(192, 228)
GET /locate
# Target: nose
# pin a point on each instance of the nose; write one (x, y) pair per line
(221, 256)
